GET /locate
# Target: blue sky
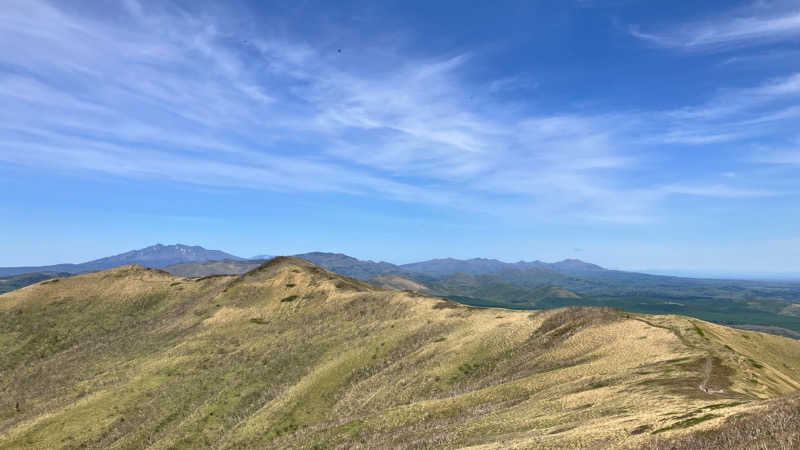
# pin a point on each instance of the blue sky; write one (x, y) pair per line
(634, 134)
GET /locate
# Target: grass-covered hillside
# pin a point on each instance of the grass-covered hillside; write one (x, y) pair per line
(769, 306)
(292, 356)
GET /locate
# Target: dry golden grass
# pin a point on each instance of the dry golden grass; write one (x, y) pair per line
(773, 426)
(292, 356)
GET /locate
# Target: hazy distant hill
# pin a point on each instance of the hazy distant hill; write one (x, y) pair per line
(574, 267)
(447, 266)
(290, 355)
(483, 266)
(154, 256)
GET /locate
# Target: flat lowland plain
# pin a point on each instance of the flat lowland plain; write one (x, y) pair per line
(292, 356)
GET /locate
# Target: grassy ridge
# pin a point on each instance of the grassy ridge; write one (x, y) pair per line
(134, 358)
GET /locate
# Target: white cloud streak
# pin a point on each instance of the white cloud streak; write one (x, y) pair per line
(752, 27)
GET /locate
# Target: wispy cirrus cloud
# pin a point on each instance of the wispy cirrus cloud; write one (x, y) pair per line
(780, 91)
(718, 190)
(732, 115)
(170, 95)
(747, 27)
(787, 155)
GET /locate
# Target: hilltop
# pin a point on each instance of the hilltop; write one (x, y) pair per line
(290, 355)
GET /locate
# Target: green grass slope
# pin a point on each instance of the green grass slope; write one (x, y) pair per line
(292, 356)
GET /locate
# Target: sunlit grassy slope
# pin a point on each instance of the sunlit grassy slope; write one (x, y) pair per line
(290, 355)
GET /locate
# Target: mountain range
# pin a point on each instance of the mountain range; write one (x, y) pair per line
(159, 255)
(768, 306)
(291, 355)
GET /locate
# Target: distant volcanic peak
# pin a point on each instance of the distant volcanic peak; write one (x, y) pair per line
(158, 255)
(577, 263)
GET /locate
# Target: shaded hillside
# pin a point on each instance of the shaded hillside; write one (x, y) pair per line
(154, 256)
(290, 355)
(13, 282)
